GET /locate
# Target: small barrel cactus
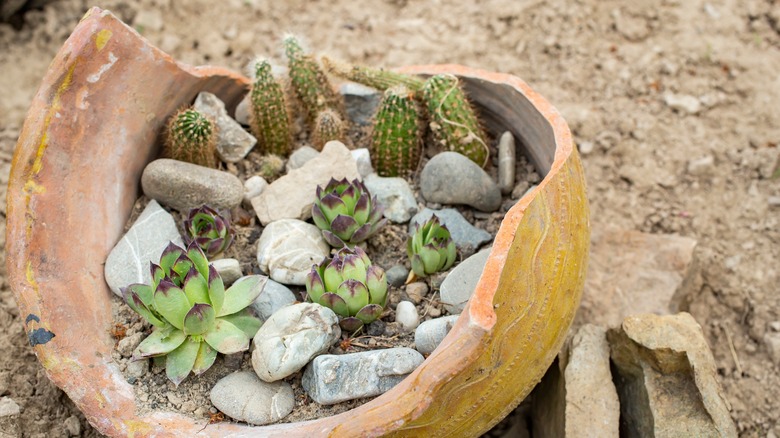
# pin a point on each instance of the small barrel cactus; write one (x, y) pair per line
(430, 248)
(192, 137)
(309, 82)
(346, 212)
(378, 78)
(452, 119)
(269, 113)
(209, 229)
(396, 141)
(349, 285)
(194, 317)
(328, 126)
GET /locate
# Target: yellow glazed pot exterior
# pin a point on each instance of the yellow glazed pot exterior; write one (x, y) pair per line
(93, 126)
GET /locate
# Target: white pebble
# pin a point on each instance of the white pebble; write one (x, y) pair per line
(406, 314)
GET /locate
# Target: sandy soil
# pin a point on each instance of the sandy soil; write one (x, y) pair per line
(607, 65)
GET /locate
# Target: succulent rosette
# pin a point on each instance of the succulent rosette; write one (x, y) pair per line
(209, 229)
(349, 285)
(346, 212)
(194, 317)
(430, 248)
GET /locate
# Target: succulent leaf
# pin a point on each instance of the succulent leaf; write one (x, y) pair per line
(369, 313)
(198, 258)
(246, 320)
(346, 213)
(334, 303)
(216, 289)
(430, 248)
(161, 341)
(195, 287)
(314, 285)
(226, 337)
(242, 293)
(171, 302)
(209, 230)
(199, 319)
(179, 362)
(169, 256)
(136, 303)
(205, 359)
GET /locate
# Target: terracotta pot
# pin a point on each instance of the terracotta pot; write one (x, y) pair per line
(92, 127)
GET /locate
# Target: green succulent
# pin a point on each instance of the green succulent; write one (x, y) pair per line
(209, 229)
(194, 317)
(346, 212)
(349, 285)
(430, 248)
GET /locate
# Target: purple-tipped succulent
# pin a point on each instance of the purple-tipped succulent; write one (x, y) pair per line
(346, 213)
(349, 285)
(209, 229)
(430, 248)
(194, 317)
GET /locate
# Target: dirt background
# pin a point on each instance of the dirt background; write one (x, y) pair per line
(606, 65)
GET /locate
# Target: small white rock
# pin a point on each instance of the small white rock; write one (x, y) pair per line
(586, 147)
(253, 187)
(288, 248)
(228, 269)
(242, 111)
(506, 162)
(301, 156)
(701, 166)
(430, 333)
(244, 397)
(406, 314)
(363, 159)
(683, 103)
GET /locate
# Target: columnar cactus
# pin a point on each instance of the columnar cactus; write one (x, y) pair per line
(430, 248)
(349, 285)
(209, 229)
(396, 141)
(328, 126)
(309, 82)
(194, 317)
(378, 78)
(269, 113)
(192, 137)
(453, 121)
(346, 212)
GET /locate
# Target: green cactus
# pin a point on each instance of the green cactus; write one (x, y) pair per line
(378, 78)
(192, 137)
(309, 82)
(270, 167)
(396, 141)
(453, 121)
(328, 126)
(269, 113)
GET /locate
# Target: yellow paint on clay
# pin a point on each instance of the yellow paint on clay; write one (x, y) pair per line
(102, 38)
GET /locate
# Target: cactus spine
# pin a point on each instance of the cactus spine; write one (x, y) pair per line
(269, 114)
(192, 137)
(378, 78)
(309, 82)
(396, 141)
(453, 121)
(328, 126)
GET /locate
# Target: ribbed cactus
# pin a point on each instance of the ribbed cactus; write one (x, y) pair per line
(396, 142)
(378, 78)
(309, 82)
(192, 137)
(453, 121)
(269, 114)
(328, 126)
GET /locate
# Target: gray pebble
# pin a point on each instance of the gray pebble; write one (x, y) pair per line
(451, 178)
(332, 379)
(395, 194)
(253, 187)
(461, 282)
(406, 315)
(228, 269)
(273, 297)
(430, 333)
(244, 397)
(242, 110)
(507, 160)
(233, 141)
(361, 102)
(363, 159)
(301, 156)
(185, 185)
(396, 275)
(127, 344)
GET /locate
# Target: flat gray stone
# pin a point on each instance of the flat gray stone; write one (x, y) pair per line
(143, 243)
(301, 156)
(360, 102)
(291, 337)
(291, 196)
(244, 397)
(395, 194)
(459, 285)
(273, 297)
(331, 379)
(242, 110)
(406, 315)
(363, 159)
(451, 178)
(228, 269)
(288, 248)
(233, 141)
(430, 333)
(253, 187)
(183, 185)
(467, 237)
(507, 159)
(396, 275)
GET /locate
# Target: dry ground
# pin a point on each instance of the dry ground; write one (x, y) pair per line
(607, 65)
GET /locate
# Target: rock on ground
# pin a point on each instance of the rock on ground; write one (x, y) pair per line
(229, 270)
(301, 156)
(631, 272)
(291, 337)
(183, 185)
(460, 283)
(273, 297)
(292, 196)
(395, 194)
(361, 102)
(667, 379)
(244, 397)
(406, 315)
(451, 178)
(331, 379)
(233, 142)
(507, 159)
(144, 242)
(9, 418)
(288, 248)
(430, 333)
